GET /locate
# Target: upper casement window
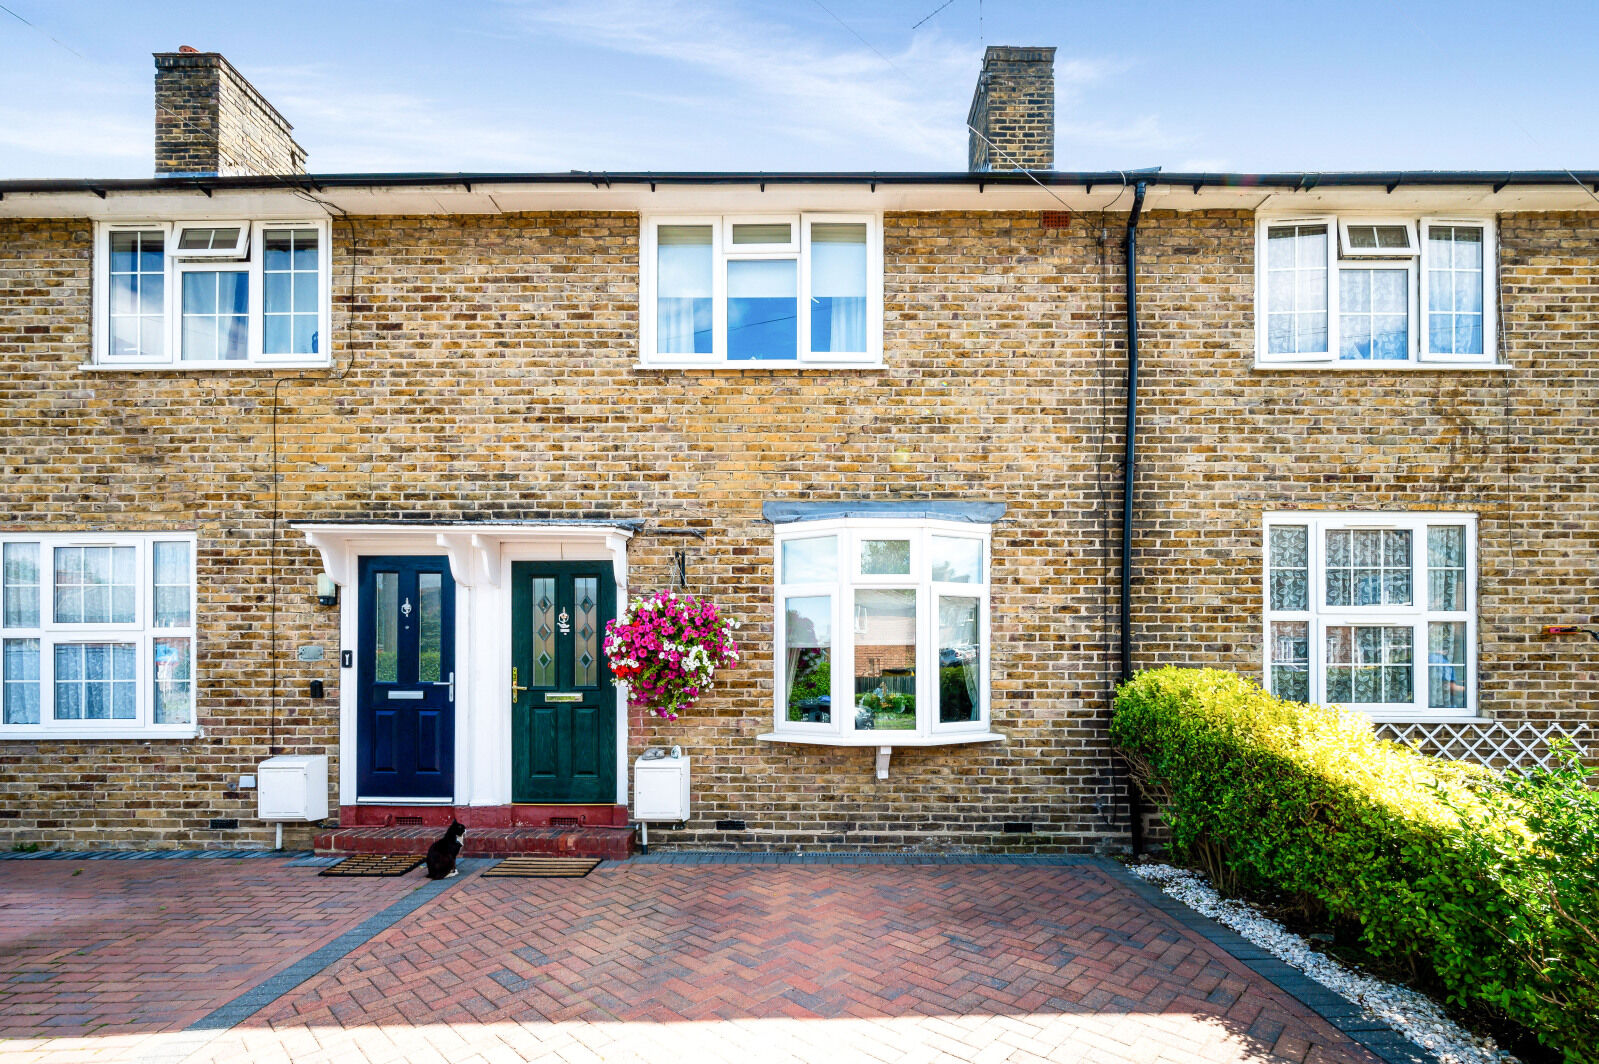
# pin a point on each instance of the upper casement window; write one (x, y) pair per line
(733, 290)
(1392, 292)
(212, 295)
(97, 635)
(1373, 611)
(882, 632)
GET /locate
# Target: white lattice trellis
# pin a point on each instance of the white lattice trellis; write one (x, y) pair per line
(1486, 742)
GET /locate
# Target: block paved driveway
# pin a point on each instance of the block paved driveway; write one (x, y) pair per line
(124, 960)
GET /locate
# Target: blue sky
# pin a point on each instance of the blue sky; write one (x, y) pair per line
(723, 85)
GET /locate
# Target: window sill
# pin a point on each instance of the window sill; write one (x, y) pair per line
(764, 367)
(202, 367)
(1355, 366)
(17, 734)
(1423, 718)
(882, 739)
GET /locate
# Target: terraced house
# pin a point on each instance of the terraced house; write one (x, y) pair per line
(356, 466)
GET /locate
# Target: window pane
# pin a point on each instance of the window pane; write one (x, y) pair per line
(290, 275)
(1374, 318)
(1446, 665)
(171, 584)
(885, 659)
(683, 287)
(810, 561)
(430, 627)
(1369, 664)
(1290, 567)
(960, 660)
(1290, 660)
(763, 233)
(1446, 567)
(957, 560)
(762, 310)
(216, 306)
(21, 585)
(808, 658)
(94, 585)
(585, 630)
(21, 667)
(543, 632)
(1296, 283)
(95, 681)
(137, 279)
(386, 640)
(1455, 289)
(1368, 567)
(838, 287)
(885, 557)
(174, 681)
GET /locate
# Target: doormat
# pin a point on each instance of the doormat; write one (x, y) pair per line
(543, 868)
(374, 864)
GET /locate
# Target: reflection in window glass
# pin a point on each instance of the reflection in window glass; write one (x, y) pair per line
(960, 660)
(290, 304)
(216, 315)
(885, 659)
(21, 567)
(808, 662)
(95, 681)
(957, 560)
(762, 309)
(838, 286)
(1369, 664)
(386, 640)
(137, 278)
(430, 627)
(170, 583)
(810, 561)
(1290, 660)
(174, 681)
(885, 557)
(1446, 665)
(684, 259)
(94, 585)
(21, 666)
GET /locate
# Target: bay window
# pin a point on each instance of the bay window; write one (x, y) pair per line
(97, 635)
(205, 295)
(1375, 291)
(1373, 611)
(882, 631)
(801, 289)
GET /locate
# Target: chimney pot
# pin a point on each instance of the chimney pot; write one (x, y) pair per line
(1012, 117)
(188, 49)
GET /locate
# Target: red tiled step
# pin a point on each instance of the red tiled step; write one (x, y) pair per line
(615, 843)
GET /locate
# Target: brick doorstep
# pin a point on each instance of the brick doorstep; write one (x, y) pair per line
(614, 843)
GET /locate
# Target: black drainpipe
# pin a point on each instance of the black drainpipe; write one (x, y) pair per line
(1129, 468)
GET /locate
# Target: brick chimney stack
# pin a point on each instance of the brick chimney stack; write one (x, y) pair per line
(210, 121)
(1014, 107)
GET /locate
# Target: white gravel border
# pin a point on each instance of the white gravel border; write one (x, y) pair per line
(1415, 1016)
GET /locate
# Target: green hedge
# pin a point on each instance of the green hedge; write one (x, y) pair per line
(1488, 886)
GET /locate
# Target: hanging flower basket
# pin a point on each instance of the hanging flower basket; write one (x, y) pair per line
(667, 647)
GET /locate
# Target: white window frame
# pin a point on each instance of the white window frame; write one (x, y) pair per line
(723, 251)
(1416, 616)
(1420, 357)
(1390, 265)
(1349, 252)
(142, 633)
(1490, 273)
(849, 533)
(237, 251)
(252, 262)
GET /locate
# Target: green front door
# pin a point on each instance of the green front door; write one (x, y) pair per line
(563, 702)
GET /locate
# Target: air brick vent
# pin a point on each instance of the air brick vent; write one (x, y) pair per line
(730, 825)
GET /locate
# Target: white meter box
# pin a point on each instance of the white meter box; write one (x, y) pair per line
(292, 787)
(660, 785)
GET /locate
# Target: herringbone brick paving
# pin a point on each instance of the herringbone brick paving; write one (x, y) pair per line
(890, 963)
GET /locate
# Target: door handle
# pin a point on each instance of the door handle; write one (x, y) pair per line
(516, 688)
(450, 683)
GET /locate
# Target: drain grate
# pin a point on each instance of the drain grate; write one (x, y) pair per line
(374, 865)
(543, 868)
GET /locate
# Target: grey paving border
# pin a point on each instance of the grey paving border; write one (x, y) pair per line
(1381, 1040)
(743, 857)
(270, 989)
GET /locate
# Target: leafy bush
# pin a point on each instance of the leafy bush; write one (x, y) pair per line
(1486, 885)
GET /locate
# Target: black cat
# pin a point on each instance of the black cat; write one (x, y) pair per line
(442, 854)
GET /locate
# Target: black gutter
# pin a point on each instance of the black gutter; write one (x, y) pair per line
(1129, 471)
(1388, 179)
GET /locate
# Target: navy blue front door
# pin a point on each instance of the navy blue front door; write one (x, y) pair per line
(405, 703)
